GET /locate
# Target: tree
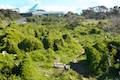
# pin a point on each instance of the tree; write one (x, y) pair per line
(73, 20)
(12, 15)
(97, 12)
(115, 11)
(88, 13)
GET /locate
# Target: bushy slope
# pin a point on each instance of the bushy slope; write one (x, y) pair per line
(32, 48)
(40, 43)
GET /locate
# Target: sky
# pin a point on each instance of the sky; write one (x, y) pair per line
(56, 5)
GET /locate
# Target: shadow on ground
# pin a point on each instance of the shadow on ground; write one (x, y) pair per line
(81, 68)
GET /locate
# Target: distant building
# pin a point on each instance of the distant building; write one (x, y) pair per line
(38, 12)
(26, 14)
(42, 12)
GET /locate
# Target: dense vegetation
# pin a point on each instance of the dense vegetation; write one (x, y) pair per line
(28, 51)
(101, 12)
(8, 14)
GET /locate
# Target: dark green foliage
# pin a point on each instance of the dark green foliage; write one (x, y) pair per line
(115, 52)
(94, 58)
(57, 44)
(45, 42)
(101, 57)
(10, 47)
(115, 43)
(98, 56)
(66, 38)
(101, 47)
(94, 31)
(16, 70)
(30, 44)
(83, 33)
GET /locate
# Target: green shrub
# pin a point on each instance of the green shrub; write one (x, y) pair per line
(58, 44)
(39, 55)
(95, 31)
(101, 47)
(46, 42)
(29, 70)
(6, 65)
(67, 38)
(30, 44)
(93, 58)
(11, 47)
(99, 57)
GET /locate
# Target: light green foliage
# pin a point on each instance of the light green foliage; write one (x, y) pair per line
(6, 65)
(33, 47)
(29, 70)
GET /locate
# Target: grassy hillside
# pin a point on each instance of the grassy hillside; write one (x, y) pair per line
(28, 51)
